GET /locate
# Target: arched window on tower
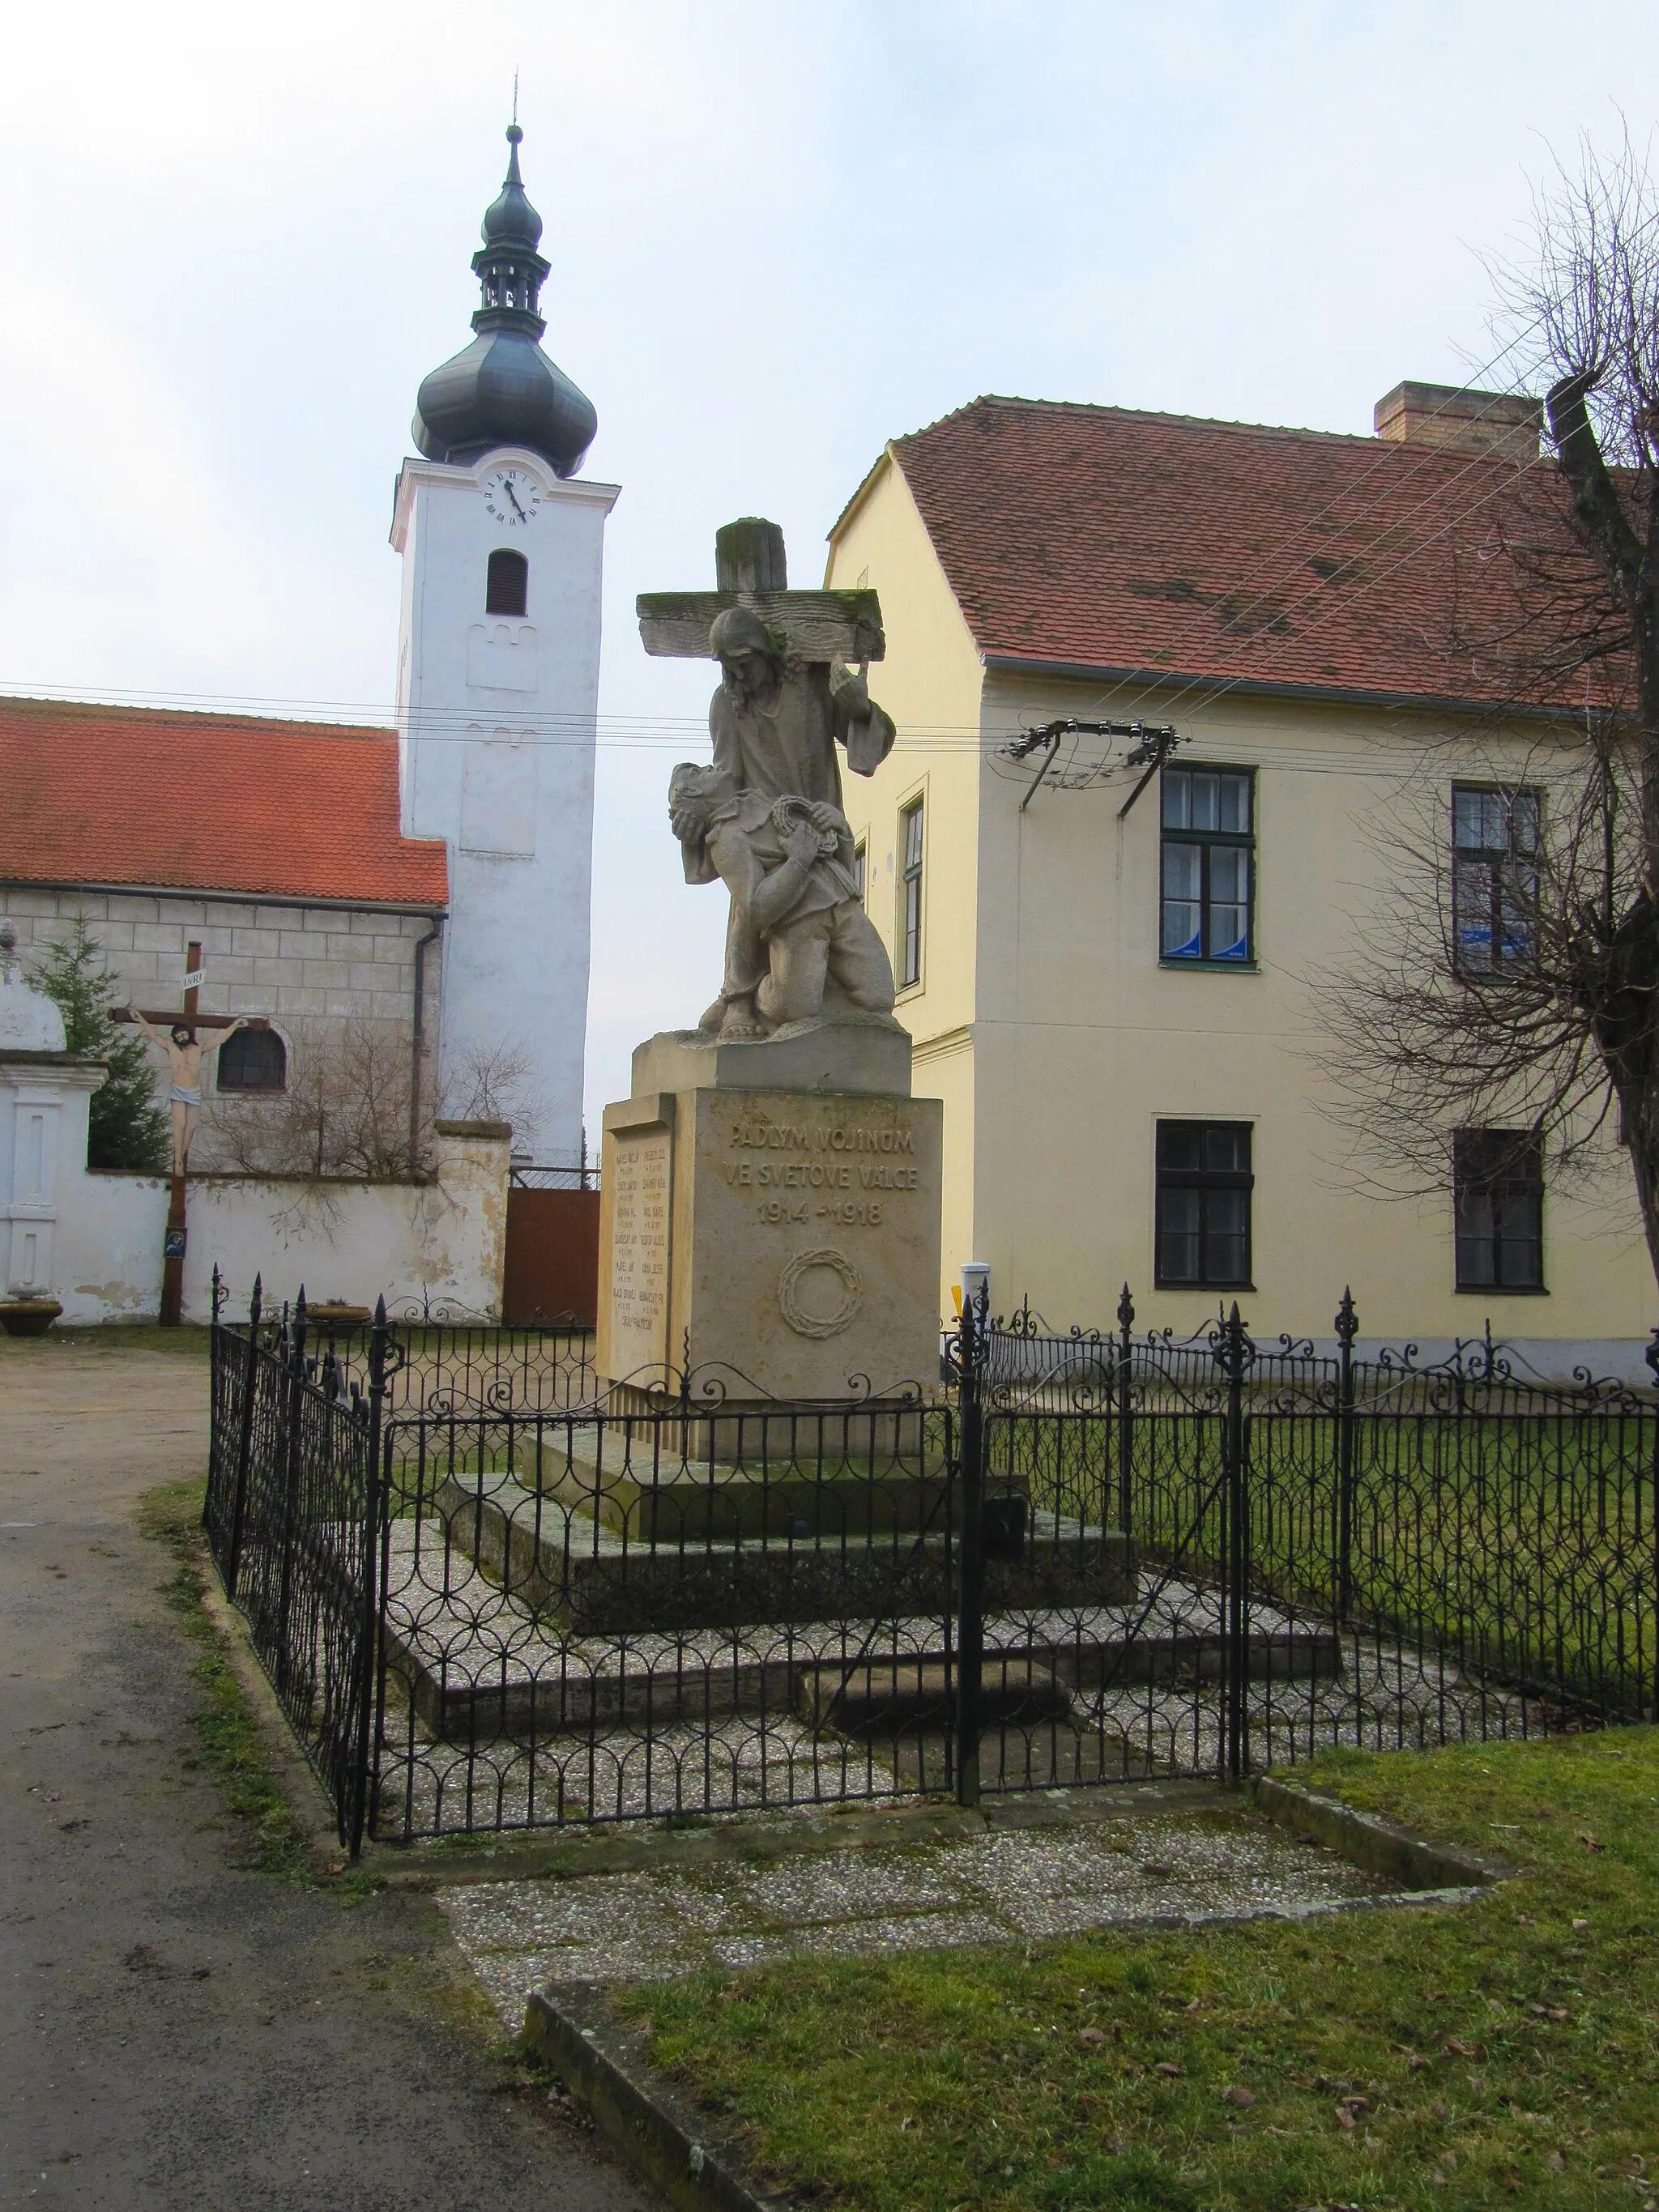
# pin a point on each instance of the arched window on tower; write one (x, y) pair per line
(252, 1060)
(507, 584)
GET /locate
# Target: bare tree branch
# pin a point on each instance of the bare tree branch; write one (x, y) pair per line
(1555, 1025)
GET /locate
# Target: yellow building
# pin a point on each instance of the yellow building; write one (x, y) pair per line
(1110, 978)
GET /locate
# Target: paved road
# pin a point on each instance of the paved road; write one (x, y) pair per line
(179, 2032)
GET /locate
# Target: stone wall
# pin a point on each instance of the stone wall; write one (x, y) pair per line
(442, 1241)
(311, 970)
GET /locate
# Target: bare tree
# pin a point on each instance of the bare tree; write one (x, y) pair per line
(1512, 978)
(497, 1082)
(347, 1111)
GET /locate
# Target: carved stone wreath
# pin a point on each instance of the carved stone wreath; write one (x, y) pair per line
(812, 1324)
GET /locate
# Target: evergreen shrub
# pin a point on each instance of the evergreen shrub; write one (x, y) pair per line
(127, 1127)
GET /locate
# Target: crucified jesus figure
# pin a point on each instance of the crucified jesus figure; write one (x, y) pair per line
(183, 1053)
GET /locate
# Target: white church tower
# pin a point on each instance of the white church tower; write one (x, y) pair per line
(498, 673)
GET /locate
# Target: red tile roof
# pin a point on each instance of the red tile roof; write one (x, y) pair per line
(93, 794)
(1105, 538)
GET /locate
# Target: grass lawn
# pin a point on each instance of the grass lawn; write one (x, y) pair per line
(1447, 2056)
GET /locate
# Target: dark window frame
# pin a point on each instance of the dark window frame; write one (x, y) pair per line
(1204, 1180)
(1207, 842)
(910, 917)
(507, 581)
(230, 1055)
(1498, 1183)
(861, 866)
(1511, 874)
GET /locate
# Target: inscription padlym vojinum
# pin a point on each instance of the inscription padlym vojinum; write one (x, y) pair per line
(639, 1252)
(858, 1171)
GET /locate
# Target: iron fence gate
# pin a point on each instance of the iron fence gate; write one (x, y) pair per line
(492, 1594)
(1324, 1550)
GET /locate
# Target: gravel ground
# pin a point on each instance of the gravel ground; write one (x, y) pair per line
(179, 2032)
(999, 1887)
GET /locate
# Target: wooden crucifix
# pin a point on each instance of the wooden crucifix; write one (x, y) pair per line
(175, 1032)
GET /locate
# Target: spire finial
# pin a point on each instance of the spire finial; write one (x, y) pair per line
(525, 400)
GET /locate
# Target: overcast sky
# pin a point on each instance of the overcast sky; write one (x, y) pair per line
(233, 240)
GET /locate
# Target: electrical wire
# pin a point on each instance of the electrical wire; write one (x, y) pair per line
(653, 732)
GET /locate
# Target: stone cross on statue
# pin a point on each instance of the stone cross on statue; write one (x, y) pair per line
(766, 817)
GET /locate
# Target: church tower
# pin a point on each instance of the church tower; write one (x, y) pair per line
(498, 673)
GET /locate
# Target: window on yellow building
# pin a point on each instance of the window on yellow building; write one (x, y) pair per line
(1494, 878)
(1204, 1185)
(1498, 1176)
(1209, 844)
(860, 862)
(910, 894)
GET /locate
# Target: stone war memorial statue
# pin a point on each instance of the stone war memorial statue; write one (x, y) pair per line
(766, 819)
(771, 1190)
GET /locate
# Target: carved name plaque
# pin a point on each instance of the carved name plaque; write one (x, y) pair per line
(639, 1172)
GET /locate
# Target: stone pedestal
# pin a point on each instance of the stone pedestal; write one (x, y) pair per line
(770, 1217)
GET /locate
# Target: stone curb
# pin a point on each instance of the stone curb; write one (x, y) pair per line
(760, 1839)
(604, 2062)
(306, 1798)
(749, 1837)
(1380, 1846)
(570, 2027)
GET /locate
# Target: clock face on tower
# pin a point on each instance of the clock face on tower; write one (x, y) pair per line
(510, 496)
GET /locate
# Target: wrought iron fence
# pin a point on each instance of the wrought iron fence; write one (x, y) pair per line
(1329, 1550)
(492, 1594)
(456, 1366)
(292, 1510)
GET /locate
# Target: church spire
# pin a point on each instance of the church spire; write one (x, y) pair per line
(503, 389)
(510, 271)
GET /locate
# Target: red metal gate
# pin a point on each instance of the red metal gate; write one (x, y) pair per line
(552, 1273)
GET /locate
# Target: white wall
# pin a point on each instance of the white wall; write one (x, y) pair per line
(442, 1241)
(44, 1098)
(496, 715)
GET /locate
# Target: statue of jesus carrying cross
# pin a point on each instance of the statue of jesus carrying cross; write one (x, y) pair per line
(765, 818)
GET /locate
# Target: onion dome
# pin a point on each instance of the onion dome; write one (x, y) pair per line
(503, 389)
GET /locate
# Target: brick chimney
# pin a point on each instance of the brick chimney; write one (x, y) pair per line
(1502, 424)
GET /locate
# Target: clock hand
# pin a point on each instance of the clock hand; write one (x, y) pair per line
(514, 496)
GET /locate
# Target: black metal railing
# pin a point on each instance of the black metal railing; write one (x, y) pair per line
(292, 1513)
(460, 1366)
(493, 1594)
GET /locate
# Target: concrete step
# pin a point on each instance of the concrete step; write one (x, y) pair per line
(889, 1696)
(775, 1494)
(727, 1506)
(478, 1666)
(552, 1558)
(1022, 1755)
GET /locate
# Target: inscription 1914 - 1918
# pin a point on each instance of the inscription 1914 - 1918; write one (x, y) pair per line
(838, 1174)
